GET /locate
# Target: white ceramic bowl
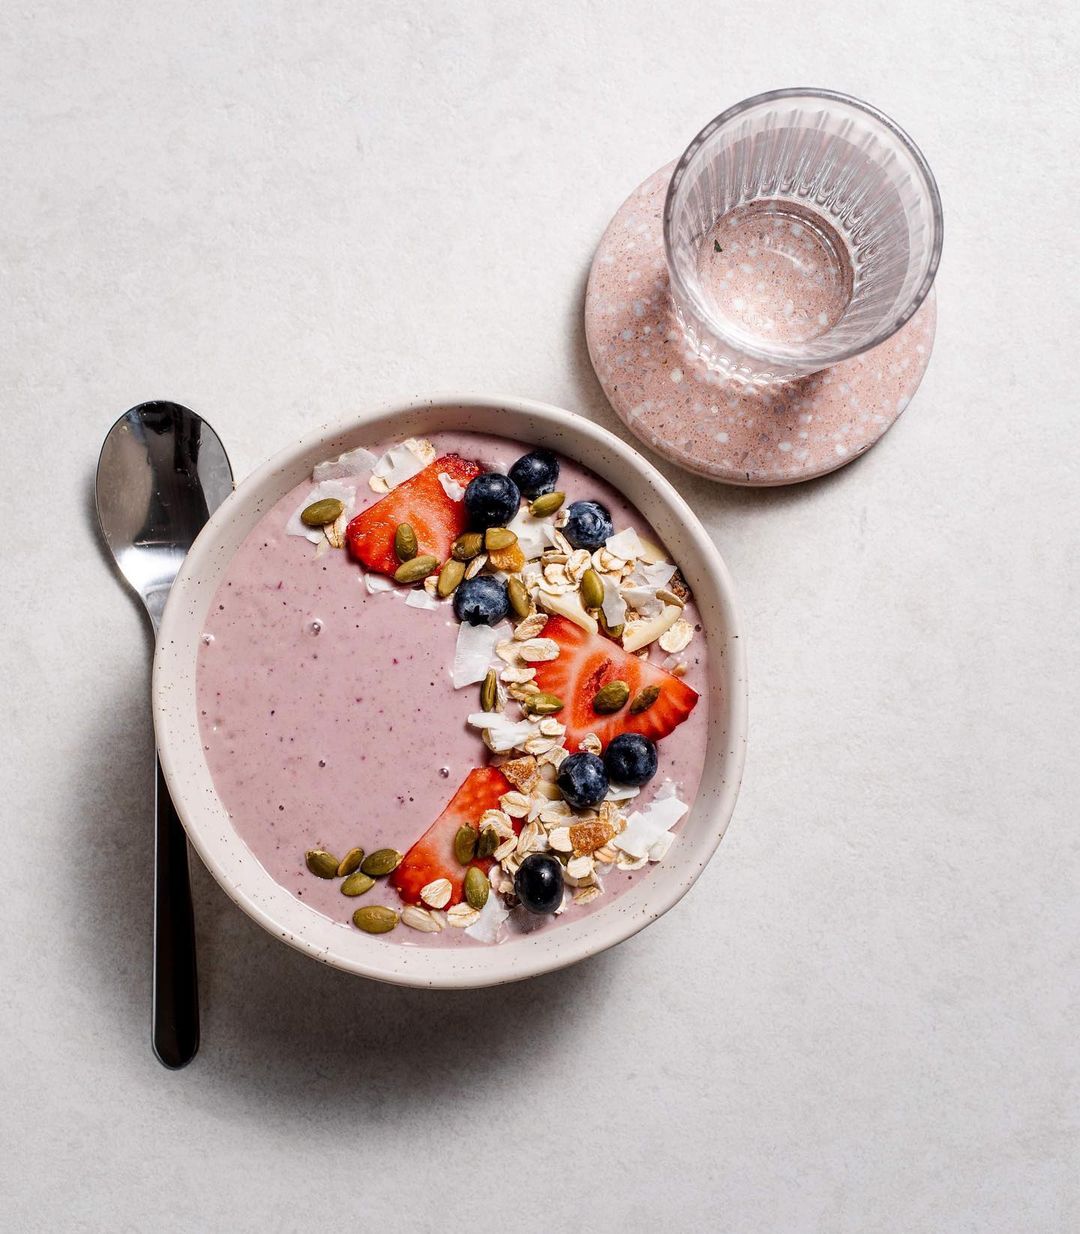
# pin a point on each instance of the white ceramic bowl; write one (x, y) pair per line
(228, 857)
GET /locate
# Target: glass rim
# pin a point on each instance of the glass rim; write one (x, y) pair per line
(787, 356)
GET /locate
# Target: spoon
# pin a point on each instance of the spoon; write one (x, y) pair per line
(162, 472)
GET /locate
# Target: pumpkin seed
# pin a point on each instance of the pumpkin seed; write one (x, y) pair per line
(489, 841)
(465, 844)
(468, 546)
(356, 884)
(477, 887)
(547, 504)
(375, 919)
(518, 596)
(611, 698)
(489, 692)
(592, 589)
(405, 544)
(542, 704)
(498, 538)
(449, 576)
(321, 863)
(611, 631)
(319, 513)
(351, 861)
(415, 570)
(644, 699)
(381, 862)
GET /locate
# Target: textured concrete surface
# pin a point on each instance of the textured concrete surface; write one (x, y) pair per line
(864, 1017)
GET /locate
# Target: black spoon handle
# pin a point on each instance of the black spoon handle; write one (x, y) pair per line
(175, 1014)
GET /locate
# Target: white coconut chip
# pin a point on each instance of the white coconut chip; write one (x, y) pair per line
(652, 575)
(397, 465)
(377, 582)
(452, 489)
(614, 606)
(531, 533)
(474, 652)
(625, 544)
(488, 927)
(344, 493)
(501, 735)
(643, 600)
(647, 830)
(351, 463)
(419, 598)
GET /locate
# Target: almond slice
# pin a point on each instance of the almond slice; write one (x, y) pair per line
(640, 634)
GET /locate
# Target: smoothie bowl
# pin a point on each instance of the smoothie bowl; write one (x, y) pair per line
(454, 694)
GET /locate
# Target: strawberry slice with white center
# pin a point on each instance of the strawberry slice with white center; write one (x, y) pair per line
(424, 504)
(432, 856)
(585, 663)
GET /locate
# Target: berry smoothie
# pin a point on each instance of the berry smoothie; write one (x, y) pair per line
(454, 690)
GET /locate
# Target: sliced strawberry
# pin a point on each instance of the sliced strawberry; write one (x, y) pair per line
(432, 856)
(588, 661)
(422, 502)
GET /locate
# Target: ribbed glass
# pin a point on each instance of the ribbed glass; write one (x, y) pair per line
(823, 158)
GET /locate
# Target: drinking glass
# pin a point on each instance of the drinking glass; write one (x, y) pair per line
(801, 227)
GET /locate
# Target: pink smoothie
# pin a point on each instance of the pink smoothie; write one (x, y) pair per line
(328, 714)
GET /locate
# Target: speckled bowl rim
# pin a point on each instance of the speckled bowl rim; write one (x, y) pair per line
(238, 871)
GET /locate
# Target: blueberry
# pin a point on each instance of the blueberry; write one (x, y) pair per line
(588, 525)
(631, 759)
(536, 473)
(539, 883)
(582, 780)
(481, 601)
(492, 500)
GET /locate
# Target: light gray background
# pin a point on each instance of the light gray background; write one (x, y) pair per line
(864, 1017)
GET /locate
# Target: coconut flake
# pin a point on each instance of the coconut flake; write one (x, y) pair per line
(474, 653)
(377, 582)
(643, 600)
(614, 606)
(351, 463)
(489, 925)
(647, 829)
(453, 490)
(419, 598)
(625, 544)
(621, 792)
(326, 488)
(397, 465)
(500, 734)
(531, 532)
(653, 575)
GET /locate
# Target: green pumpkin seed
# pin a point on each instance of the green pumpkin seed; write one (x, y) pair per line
(351, 861)
(489, 692)
(381, 862)
(319, 513)
(468, 546)
(375, 919)
(405, 544)
(465, 844)
(542, 704)
(321, 863)
(498, 538)
(547, 504)
(644, 699)
(611, 631)
(476, 887)
(592, 589)
(356, 884)
(489, 841)
(449, 576)
(611, 698)
(416, 570)
(518, 596)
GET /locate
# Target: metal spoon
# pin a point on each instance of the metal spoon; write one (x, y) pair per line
(162, 472)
